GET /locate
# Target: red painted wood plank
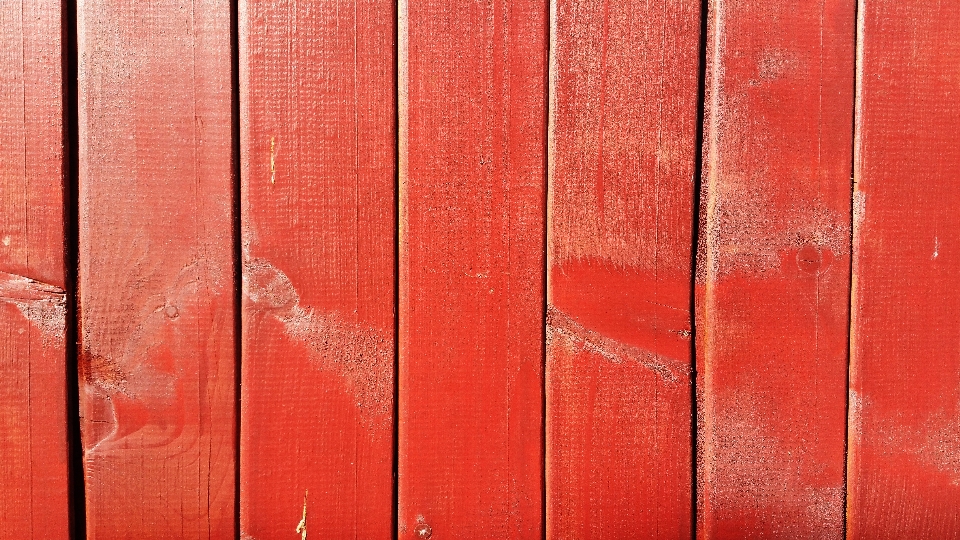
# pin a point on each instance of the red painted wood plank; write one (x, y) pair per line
(33, 418)
(319, 228)
(904, 457)
(622, 147)
(774, 271)
(156, 269)
(471, 314)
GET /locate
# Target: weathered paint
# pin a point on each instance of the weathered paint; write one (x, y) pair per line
(904, 424)
(34, 485)
(473, 86)
(773, 272)
(156, 269)
(318, 147)
(622, 152)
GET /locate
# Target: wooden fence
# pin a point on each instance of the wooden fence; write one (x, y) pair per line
(297, 269)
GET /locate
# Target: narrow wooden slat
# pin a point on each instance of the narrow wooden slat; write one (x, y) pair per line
(156, 269)
(904, 423)
(622, 145)
(318, 195)
(774, 271)
(33, 418)
(471, 313)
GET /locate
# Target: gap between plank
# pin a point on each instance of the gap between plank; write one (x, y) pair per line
(237, 247)
(857, 39)
(695, 233)
(71, 208)
(395, 482)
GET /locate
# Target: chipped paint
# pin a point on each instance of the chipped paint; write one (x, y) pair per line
(302, 526)
(273, 161)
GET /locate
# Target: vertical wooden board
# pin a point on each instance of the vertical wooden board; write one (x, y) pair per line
(156, 269)
(318, 112)
(622, 152)
(471, 316)
(774, 271)
(904, 421)
(33, 418)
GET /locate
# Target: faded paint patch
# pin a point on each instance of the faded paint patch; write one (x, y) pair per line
(563, 330)
(362, 356)
(935, 442)
(859, 209)
(855, 413)
(42, 304)
(755, 478)
(756, 245)
(776, 64)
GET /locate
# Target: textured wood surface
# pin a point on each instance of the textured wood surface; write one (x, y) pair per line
(904, 422)
(319, 230)
(774, 269)
(473, 85)
(156, 269)
(622, 149)
(33, 400)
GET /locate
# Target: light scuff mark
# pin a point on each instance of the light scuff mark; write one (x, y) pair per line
(44, 305)
(563, 330)
(758, 470)
(362, 356)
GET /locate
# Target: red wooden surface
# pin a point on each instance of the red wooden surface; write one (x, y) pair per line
(33, 418)
(472, 195)
(319, 171)
(622, 147)
(904, 423)
(774, 271)
(156, 269)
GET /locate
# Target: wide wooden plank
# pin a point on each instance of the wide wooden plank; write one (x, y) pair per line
(773, 274)
(34, 483)
(623, 115)
(318, 153)
(156, 269)
(904, 423)
(471, 316)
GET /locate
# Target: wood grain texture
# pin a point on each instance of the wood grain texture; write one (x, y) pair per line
(33, 418)
(622, 152)
(773, 274)
(156, 269)
(318, 83)
(471, 316)
(904, 422)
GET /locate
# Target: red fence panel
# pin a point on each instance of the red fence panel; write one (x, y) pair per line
(904, 451)
(33, 390)
(774, 271)
(156, 269)
(624, 81)
(473, 84)
(318, 134)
